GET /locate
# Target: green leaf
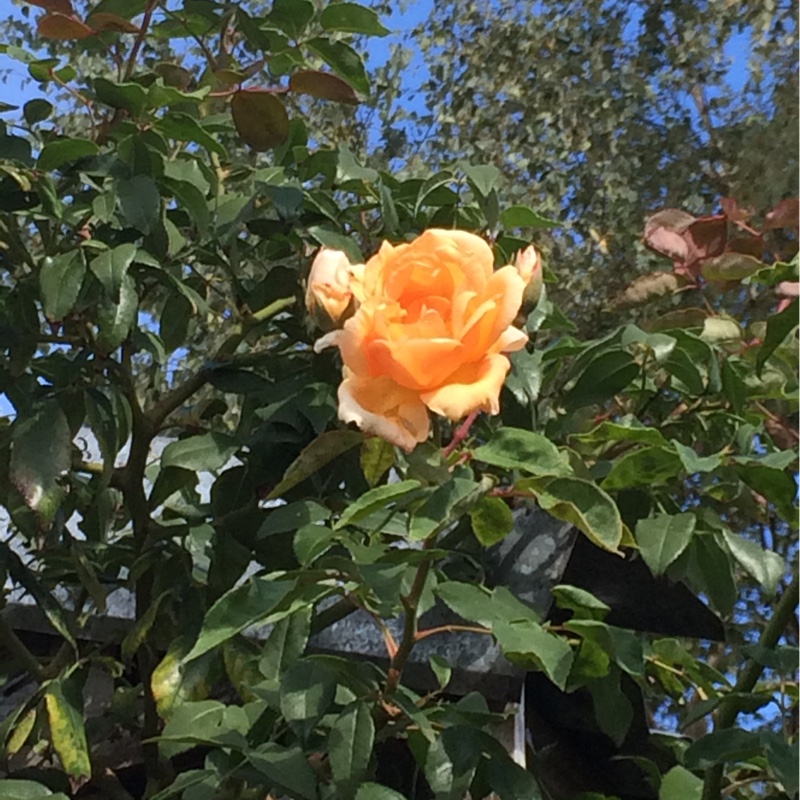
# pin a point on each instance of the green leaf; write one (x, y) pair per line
(694, 463)
(607, 375)
(732, 744)
(351, 18)
(779, 326)
(712, 570)
(239, 607)
(293, 516)
(210, 451)
(285, 644)
(260, 118)
(448, 503)
(180, 126)
(37, 110)
(377, 457)
(40, 455)
(140, 202)
(525, 217)
(374, 499)
(64, 151)
(337, 241)
(192, 200)
(512, 448)
(730, 267)
(764, 566)
(350, 745)
(451, 762)
(291, 16)
(115, 320)
(492, 520)
(193, 723)
(682, 366)
(60, 281)
(510, 781)
(478, 604)
(580, 601)
(776, 485)
(526, 643)
(343, 60)
(314, 457)
(286, 768)
(626, 429)
(587, 507)
(483, 177)
(663, 538)
(64, 702)
(647, 466)
(734, 387)
(111, 266)
(782, 760)
(307, 691)
(441, 669)
(131, 97)
(374, 791)
(29, 790)
(680, 784)
(718, 330)
(22, 575)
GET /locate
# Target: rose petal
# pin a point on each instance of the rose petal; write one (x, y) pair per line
(418, 364)
(473, 387)
(381, 407)
(510, 340)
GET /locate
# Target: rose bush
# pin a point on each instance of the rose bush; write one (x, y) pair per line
(433, 322)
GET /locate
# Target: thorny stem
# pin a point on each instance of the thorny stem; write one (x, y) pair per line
(450, 629)
(729, 710)
(461, 433)
(409, 638)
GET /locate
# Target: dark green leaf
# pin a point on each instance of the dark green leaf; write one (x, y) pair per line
(350, 746)
(37, 110)
(40, 455)
(605, 376)
(140, 202)
(111, 266)
(528, 644)
(732, 744)
(374, 499)
(351, 18)
(377, 456)
(210, 451)
(260, 118)
(184, 128)
(60, 281)
(129, 96)
(286, 769)
(241, 606)
(779, 326)
(64, 151)
(647, 466)
(525, 217)
(374, 791)
(307, 690)
(293, 516)
(285, 644)
(343, 60)
(115, 320)
(11, 789)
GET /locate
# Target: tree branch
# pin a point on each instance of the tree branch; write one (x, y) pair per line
(729, 710)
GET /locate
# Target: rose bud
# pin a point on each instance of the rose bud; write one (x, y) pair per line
(329, 294)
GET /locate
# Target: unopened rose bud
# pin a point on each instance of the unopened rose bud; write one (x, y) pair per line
(329, 294)
(529, 265)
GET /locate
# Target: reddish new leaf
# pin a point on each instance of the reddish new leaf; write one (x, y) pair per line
(260, 118)
(60, 6)
(706, 237)
(323, 85)
(663, 233)
(111, 22)
(732, 210)
(63, 27)
(747, 245)
(784, 215)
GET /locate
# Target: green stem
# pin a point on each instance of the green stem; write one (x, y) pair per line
(729, 710)
(18, 649)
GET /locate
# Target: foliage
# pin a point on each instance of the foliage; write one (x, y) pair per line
(599, 113)
(151, 302)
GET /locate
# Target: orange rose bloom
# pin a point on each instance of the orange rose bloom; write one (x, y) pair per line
(433, 322)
